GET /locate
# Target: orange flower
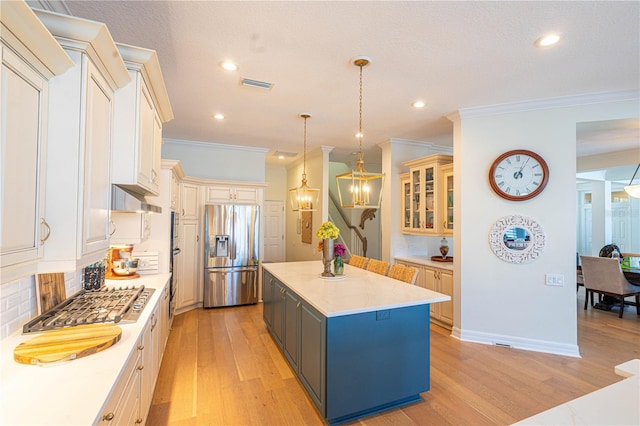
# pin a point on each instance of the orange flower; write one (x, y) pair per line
(320, 245)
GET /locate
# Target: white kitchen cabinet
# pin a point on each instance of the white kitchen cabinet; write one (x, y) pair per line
(440, 280)
(28, 63)
(426, 201)
(78, 167)
(140, 108)
(130, 227)
(447, 193)
(405, 185)
(233, 194)
(190, 201)
(189, 292)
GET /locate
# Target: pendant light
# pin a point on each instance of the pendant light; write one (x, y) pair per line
(633, 190)
(303, 198)
(360, 189)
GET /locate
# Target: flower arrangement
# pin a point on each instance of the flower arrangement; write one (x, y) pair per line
(339, 250)
(327, 230)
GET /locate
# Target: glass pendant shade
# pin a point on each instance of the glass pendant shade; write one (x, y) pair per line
(633, 190)
(360, 189)
(303, 198)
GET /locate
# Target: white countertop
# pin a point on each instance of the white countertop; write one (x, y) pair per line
(73, 392)
(359, 291)
(616, 404)
(426, 260)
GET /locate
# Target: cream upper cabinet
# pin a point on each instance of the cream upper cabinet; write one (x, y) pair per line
(190, 201)
(78, 166)
(140, 109)
(426, 215)
(233, 194)
(406, 194)
(446, 193)
(30, 57)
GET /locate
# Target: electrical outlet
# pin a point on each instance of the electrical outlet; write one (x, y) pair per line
(555, 280)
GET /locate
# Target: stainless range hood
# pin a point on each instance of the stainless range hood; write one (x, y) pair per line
(124, 201)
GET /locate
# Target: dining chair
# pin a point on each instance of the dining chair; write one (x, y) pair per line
(377, 266)
(403, 273)
(358, 261)
(603, 275)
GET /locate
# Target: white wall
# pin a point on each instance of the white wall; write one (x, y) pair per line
(502, 302)
(217, 161)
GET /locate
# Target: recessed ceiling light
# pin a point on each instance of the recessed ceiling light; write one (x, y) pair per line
(418, 104)
(228, 65)
(218, 116)
(547, 40)
(359, 135)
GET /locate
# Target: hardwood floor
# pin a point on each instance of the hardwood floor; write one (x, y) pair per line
(221, 367)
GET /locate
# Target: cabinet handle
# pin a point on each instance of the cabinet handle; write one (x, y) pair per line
(112, 223)
(155, 321)
(140, 347)
(141, 367)
(155, 176)
(444, 224)
(298, 305)
(197, 238)
(138, 421)
(46, 237)
(182, 212)
(108, 417)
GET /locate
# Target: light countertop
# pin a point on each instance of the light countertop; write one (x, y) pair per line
(426, 261)
(73, 392)
(616, 404)
(359, 291)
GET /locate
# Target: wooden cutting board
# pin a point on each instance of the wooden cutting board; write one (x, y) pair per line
(67, 344)
(50, 291)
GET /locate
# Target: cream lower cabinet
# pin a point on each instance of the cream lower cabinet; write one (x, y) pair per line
(440, 280)
(27, 66)
(189, 292)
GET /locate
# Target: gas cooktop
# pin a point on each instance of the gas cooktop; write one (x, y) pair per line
(106, 305)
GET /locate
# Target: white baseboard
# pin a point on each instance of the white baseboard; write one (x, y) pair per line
(516, 342)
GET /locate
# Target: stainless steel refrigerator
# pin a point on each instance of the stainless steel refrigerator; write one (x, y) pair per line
(231, 254)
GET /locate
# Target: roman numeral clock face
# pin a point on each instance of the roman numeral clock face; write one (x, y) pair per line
(518, 175)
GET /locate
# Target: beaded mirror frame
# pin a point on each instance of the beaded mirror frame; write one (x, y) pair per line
(507, 245)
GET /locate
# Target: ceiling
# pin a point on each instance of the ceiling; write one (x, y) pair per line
(451, 55)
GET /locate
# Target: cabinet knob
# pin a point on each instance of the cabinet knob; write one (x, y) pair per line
(140, 347)
(108, 417)
(46, 237)
(444, 224)
(138, 420)
(141, 367)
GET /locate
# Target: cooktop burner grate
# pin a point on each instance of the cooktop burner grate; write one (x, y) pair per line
(107, 305)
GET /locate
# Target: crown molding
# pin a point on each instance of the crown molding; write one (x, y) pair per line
(201, 144)
(549, 103)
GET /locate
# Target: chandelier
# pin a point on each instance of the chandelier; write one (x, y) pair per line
(360, 189)
(633, 190)
(303, 198)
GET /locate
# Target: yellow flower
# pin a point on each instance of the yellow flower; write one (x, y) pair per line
(327, 230)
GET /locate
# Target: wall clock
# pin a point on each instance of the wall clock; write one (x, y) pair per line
(518, 175)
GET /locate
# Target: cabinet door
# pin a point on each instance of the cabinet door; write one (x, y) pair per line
(447, 199)
(23, 110)
(278, 311)
(146, 137)
(431, 283)
(406, 204)
(312, 359)
(446, 287)
(97, 162)
(428, 208)
(267, 299)
(291, 328)
(243, 195)
(189, 282)
(219, 194)
(175, 193)
(190, 201)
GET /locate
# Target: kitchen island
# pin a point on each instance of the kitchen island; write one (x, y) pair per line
(359, 344)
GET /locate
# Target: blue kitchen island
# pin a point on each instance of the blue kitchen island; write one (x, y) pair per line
(359, 344)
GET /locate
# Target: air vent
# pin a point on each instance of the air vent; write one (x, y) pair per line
(257, 84)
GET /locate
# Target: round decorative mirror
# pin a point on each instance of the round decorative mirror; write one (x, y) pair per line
(517, 239)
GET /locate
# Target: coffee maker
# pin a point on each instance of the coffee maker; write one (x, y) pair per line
(121, 265)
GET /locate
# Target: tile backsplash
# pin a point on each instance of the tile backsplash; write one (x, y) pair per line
(18, 302)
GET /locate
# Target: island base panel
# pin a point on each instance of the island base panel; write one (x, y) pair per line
(376, 361)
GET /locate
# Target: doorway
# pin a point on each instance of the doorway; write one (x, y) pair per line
(274, 241)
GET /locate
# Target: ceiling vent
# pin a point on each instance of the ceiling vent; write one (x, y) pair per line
(257, 84)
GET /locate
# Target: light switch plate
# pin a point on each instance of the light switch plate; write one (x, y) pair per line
(554, 280)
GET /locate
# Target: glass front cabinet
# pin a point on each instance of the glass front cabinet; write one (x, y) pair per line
(427, 192)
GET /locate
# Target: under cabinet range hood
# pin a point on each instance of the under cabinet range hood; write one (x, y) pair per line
(124, 201)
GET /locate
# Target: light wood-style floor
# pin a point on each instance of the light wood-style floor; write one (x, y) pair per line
(221, 367)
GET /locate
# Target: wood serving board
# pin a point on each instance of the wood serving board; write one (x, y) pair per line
(440, 259)
(50, 291)
(67, 344)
